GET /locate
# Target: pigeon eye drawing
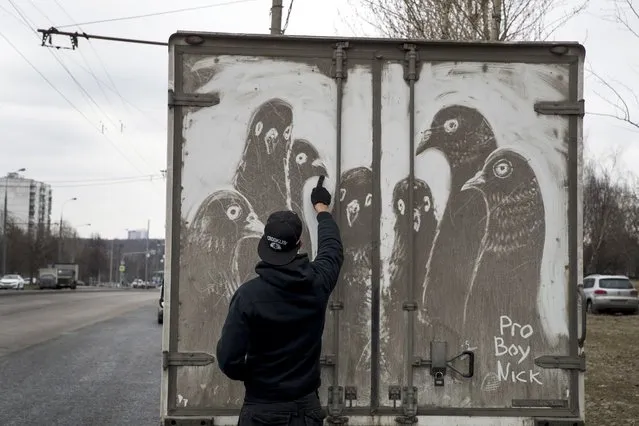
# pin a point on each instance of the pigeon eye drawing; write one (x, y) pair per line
(234, 212)
(502, 169)
(401, 206)
(301, 158)
(427, 203)
(451, 125)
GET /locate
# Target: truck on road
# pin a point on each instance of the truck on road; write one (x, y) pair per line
(456, 171)
(60, 275)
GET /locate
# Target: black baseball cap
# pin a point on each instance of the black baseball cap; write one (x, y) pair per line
(282, 232)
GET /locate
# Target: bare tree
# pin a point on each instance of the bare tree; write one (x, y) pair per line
(622, 99)
(500, 20)
(611, 219)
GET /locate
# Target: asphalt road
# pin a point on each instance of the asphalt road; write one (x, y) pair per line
(80, 358)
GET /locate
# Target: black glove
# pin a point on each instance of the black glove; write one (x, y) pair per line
(320, 194)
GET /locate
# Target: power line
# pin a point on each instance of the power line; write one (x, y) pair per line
(95, 52)
(82, 89)
(120, 182)
(288, 16)
(168, 12)
(67, 99)
(105, 182)
(129, 103)
(106, 179)
(66, 69)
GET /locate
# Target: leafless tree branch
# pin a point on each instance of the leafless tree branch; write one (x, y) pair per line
(502, 20)
(622, 111)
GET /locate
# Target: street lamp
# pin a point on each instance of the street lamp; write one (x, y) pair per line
(60, 228)
(4, 222)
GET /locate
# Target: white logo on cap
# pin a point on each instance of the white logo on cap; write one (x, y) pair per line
(276, 243)
(276, 246)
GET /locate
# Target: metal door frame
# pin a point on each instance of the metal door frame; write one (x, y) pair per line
(377, 51)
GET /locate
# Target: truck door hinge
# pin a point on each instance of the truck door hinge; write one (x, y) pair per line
(561, 108)
(193, 99)
(539, 403)
(350, 395)
(336, 306)
(327, 360)
(411, 68)
(336, 405)
(187, 421)
(409, 306)
(562, 362)
(409, 406)
(339, 60)
(559, 422)
(186, 359)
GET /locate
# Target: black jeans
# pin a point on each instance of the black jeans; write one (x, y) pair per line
(305, 411)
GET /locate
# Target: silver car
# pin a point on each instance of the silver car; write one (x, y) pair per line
(612, 293)
(15, 282)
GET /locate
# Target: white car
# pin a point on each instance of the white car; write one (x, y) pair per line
(614, 293)
(15, 282)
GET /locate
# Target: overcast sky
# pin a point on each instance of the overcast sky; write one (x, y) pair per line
(109, 153)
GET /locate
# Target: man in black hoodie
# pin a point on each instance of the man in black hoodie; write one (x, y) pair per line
(272, 336)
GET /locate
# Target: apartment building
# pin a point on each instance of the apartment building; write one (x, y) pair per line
(28, 202)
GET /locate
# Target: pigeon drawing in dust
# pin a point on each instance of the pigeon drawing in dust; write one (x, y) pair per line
(261, 174)
(304, 163)
(465, 138)
(507, 273)
(223, 220)
(419, 220)
(356, 221)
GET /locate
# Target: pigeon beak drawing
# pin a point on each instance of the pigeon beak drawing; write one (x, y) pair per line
(475, 181)
(270, 140)
(424, 143)
(319, 168)
(352, 212)
(417, 219)
(254, 226)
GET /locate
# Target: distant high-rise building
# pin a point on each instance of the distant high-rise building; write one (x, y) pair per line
(137, 234)
(28, 202)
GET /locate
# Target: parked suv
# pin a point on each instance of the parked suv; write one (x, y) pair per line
(613, 293)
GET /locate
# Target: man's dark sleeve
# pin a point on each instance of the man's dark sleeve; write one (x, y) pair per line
(233, 344)
(330, 253)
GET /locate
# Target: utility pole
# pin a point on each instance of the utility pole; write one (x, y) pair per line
(495, 33)
(146, 254)
(276, 17)
(4, 227)
(111, 262)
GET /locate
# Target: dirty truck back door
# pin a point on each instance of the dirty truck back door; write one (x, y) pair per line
(455, 169)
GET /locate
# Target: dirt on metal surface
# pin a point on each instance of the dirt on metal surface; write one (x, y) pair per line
(612, 376)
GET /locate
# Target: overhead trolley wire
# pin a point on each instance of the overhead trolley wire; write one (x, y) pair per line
(167, 12)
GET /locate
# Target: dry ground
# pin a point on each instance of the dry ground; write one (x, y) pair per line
(612, 376)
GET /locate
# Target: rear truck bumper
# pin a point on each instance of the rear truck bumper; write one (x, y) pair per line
(391, 421)
(616, 304)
